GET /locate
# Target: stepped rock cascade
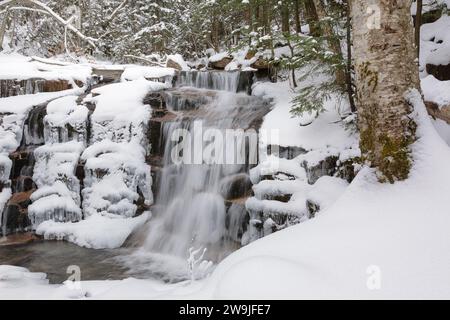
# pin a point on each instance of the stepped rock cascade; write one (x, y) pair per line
(199, 202)
(84, 156)
(233, 81)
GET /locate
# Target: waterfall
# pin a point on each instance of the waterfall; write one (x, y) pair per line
(235, 81)
(197, 203)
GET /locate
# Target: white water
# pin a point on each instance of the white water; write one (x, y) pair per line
(227, 81)
(190, 209)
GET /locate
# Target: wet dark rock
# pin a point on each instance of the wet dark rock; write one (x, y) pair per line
(140, 203)
(326, 167)
(260, 63)
(429, 16)
(279, 197)
(10, 88)
(173, 64)
(437, 112)
(79, 172)
(221, 64)
(187, 99)
(289, 152)
(346, 170)
(246, 79)
(313, 208)
(236, 219)
(16, 212)
(236, 186)
(154, 132)
(155, 100)
(23, 184)
(18, 239)
(108, 75)
(34, 126)
(440, 72)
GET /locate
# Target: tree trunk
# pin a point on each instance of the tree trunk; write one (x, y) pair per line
(418, 25)
(285, 17)
(298, 26)
(311, 17)
(326, 29)
(348, 71)
(385, 68)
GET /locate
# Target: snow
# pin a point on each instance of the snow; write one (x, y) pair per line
(16, 66)
(429, 5)
(324, 132)
(326, 191)
(115, 101)
(97, 231)
(277, 187)
(11, 276)
(178, 58)
(273, 165)
(65, 120)
(219, 56)
(436, 91)
(435, 42)
(443, 128)
(136, 72)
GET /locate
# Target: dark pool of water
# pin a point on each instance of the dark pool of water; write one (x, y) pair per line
(54, 258)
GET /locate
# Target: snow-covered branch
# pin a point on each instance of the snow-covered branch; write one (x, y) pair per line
(158, 64)
(56, 16)
(25, 9)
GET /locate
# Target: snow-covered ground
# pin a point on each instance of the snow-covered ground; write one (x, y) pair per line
(377, 241)
(369, 241)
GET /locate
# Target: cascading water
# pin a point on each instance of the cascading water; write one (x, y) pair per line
(195, 204)
(234, 81)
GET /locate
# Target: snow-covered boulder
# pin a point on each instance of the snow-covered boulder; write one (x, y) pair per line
(177, 62)
(220, 61)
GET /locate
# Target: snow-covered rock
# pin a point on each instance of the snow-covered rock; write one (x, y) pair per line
(97, 231)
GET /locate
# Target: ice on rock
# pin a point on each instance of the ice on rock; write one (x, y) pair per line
(273, 165)
(115, 175)
(115, 168)
(58, 162)
(270, 188)
(58, 194)
(66, 120)
(110, 195)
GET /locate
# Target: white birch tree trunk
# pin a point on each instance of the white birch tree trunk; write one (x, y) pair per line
(386, 68)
